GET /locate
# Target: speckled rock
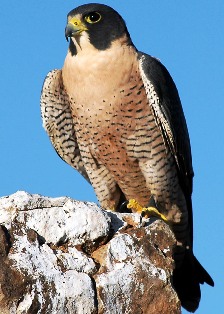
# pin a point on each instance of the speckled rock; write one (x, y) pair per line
(58, 255)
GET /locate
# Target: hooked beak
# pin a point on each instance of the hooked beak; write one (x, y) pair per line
(74, 27)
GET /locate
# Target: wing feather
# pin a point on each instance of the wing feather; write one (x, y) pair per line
(168, 112)
(164, 99)
(58, 122)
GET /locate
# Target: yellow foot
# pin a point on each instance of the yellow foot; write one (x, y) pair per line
(145, 211)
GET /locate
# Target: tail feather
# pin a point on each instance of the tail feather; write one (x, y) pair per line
(203, 275)
(187, 279)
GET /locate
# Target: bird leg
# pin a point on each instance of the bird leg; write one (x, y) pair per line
(150, 211)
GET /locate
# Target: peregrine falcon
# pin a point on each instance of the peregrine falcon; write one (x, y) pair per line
(114, 114)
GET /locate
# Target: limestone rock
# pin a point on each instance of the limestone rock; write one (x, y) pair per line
(58, 255)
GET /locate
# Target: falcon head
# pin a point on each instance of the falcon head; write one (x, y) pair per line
(97, 25)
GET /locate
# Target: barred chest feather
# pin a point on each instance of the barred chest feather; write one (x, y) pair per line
(109, 103)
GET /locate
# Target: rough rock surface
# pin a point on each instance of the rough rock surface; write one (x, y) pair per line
(63, 256)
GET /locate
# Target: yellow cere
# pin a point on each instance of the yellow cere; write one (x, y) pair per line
(77, 23)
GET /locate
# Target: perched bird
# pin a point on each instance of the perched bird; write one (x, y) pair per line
(114, 114)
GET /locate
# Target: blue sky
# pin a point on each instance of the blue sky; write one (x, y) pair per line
(187, 36)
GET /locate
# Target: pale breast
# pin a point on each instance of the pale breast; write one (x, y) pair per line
(106, 91)
(113, 117)
(92, 75)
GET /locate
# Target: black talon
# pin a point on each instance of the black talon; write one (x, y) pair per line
(123, 208)
(152, 202)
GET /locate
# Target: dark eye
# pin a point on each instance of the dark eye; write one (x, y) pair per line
(93, 17)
